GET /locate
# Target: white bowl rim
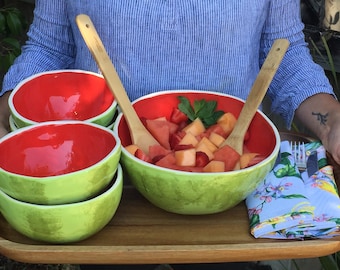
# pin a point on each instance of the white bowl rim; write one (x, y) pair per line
(275, 130)
(116, 148)
(36, 75)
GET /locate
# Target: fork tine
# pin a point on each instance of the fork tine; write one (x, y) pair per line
(299, 154)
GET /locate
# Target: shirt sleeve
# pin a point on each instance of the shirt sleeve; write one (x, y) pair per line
(298, 76)
(49, 46)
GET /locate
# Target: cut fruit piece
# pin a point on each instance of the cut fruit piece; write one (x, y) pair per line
(141, 155)
(246, 158)
(186, 157)
(202, 159)
(208, 144)
(168, 161)
(188, 139)
(178, 117)
(158, 150)
(160, 130)
(217, 128)
(175, 138)
(227, 122)
(132, 148)
(216, 139)
(214, 166)
(228, 155)
(196, 127)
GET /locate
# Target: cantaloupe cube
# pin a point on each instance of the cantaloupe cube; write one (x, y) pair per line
(188, 139)
(207, 143)
(227, 122)
(205, 149)
(132, 148)
(216, 139)
(196, 127)
(245, 159)
(214, 166)
(186, 157)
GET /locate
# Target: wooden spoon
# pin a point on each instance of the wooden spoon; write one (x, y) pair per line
(139, 134)
(256, 95)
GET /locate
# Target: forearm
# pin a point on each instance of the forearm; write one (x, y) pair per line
(321, 114)
(4, 114)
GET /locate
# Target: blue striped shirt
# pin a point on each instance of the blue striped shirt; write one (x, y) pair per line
(157, 45)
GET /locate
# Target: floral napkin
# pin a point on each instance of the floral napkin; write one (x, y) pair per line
(293, 205)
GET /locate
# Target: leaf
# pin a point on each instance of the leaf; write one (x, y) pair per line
(186, 108)
(293, 196)
(14, 23)
(255, 219)
(336, 220)
(202, 109)
(13, 43)
(6, 61)
(2, 23)
(199, 106)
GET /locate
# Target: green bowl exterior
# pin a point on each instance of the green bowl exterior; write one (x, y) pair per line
(67, 188)
(19, 122)
(63, 223)
(104, 119)
(194, 193)
(12, 125)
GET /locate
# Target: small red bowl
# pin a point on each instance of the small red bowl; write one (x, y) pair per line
(58, 162)
(62, 95)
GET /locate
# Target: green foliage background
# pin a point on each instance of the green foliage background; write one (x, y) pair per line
(13, 26)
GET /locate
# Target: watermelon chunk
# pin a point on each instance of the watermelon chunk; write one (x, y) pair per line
(228, 155)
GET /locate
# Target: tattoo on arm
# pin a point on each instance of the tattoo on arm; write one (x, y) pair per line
(322, 118)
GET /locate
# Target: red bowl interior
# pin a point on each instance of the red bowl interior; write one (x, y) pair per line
(262, 138)
(55, 149)
(62, 95)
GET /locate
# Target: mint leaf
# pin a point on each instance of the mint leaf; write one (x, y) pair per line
(186, 108)
(203, 109)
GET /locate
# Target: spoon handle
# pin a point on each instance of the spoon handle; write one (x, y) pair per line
(139, 134)
(257, 93)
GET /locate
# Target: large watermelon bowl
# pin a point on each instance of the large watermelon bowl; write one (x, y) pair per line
(191, 190)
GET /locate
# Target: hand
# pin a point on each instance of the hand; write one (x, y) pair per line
(3, 130)
(321, 114)
(332, 141)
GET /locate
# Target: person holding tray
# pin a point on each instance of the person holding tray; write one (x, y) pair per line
(197, 44)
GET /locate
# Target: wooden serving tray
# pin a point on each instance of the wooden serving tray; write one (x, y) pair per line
(141, 233)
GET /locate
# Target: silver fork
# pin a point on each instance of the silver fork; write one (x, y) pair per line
(299, 154)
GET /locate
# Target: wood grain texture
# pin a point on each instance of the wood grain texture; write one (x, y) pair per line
(141, 233)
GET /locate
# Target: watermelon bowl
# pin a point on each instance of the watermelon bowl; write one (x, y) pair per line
(197, 193)
(62, 95)
(58, 162)
(64, 223)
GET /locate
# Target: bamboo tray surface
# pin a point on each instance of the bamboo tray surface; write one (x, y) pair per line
(141, 233)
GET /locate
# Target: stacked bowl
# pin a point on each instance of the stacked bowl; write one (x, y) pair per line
(60, 177)
(60, 181)
(62, 95)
